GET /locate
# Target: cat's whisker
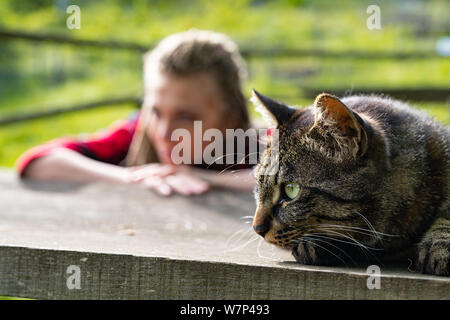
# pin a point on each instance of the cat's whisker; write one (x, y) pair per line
(371, 227)
(334, 228)
(355, 228)
(229, 168)
(246, 220)
(306, 239)
(236, 242)
(250, 154)
(258, 251)
(242, 233)
(366, 233)
(238, 248)
(328, 243)
(352, 242)
(365, 249)
(223, 156)
(244, 158)
(347, 236)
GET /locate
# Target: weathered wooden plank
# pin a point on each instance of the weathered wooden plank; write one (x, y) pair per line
(41, 273)
(130, 244)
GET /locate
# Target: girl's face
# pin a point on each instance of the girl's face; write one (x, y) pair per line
(176, 102)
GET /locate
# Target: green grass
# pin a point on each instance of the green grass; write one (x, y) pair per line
(35, 77)
(439, 111)
(17, 138)
(313, 24)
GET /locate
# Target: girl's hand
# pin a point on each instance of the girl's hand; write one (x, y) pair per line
(151, 177)
(140, 173)
(186, 183)
(165, 179)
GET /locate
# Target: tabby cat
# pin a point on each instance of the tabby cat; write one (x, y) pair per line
(359, 179)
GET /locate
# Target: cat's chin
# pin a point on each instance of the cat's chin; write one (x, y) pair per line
(308, 254)
(277, 244)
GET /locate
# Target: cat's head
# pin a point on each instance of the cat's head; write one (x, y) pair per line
(330, 163)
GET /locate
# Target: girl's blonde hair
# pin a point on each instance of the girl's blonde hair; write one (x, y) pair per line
(188, 53)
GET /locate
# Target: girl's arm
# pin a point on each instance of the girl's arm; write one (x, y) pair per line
(78, 159)
(71, 166)
(68, 165)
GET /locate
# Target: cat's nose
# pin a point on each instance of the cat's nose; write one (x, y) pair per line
(261, 229)
(261, 222)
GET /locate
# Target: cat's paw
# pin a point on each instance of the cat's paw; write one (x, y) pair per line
(305, 253)
(434, 257)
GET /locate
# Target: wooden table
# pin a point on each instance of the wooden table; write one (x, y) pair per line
(111, 242)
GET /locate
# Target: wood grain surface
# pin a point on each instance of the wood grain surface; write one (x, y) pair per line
(130, 244)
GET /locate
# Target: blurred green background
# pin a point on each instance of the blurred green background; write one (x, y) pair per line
(38, 75)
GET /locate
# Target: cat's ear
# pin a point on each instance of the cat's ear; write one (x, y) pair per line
(274, 112)
(340, 120)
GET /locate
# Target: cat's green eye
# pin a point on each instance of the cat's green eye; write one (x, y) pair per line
(291, 189)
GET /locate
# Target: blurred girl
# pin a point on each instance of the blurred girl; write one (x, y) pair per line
(190, 76)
